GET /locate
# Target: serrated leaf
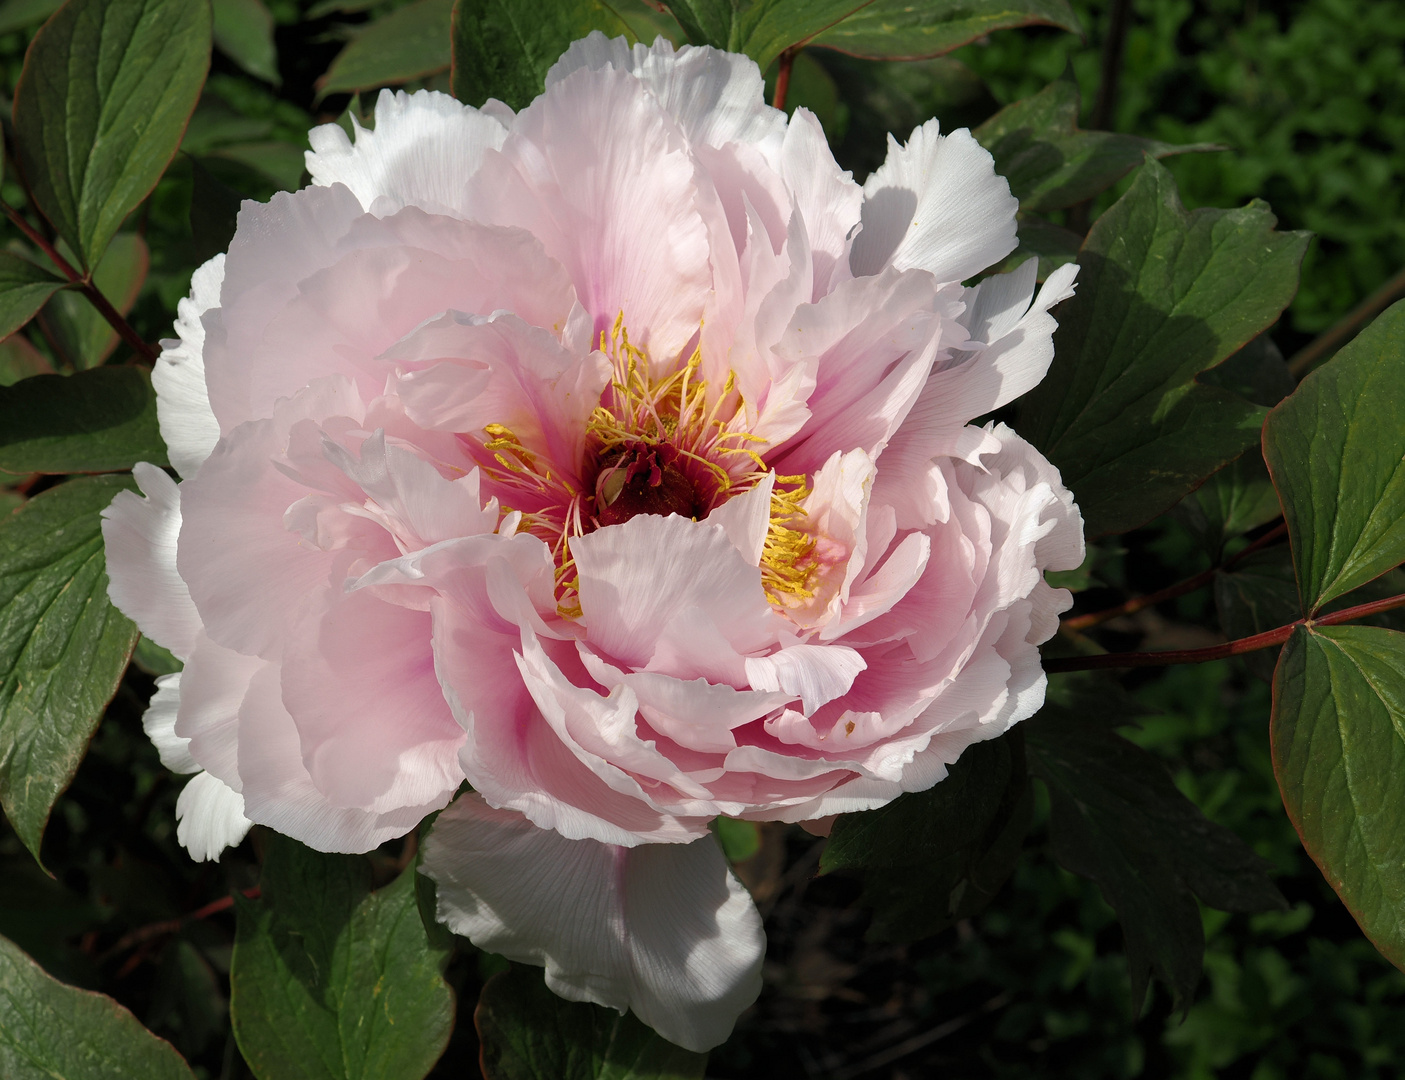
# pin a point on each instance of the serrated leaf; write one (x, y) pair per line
(409, 43)
(243, 31)
(504, 50)
(80, 333)
(932, 857)
(903, 30)
(528, 1033)
(1338, 733)
(331, 980)
(762, 29)
(103, 99)
(1050, 162)
(50, 1031)
(1163, 295)
(96, 421)
(24, 287)
(63, 646)
(1336, 450)
(1116, 817)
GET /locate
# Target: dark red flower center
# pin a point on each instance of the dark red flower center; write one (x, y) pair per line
(644, 478)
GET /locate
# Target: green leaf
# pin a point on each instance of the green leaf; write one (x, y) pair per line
(762, 29)
(1052, 245)
(214, 212)
(19, 359)
(931, 858)
(49, 1031)
(63, 646)
(903, 30)
(1256, 595)
(409, 43)
(1162, 296)
(154, 659)
(332, 980)
(1336, 450)
(1236, 500)
(80, 333)
(528, 1033)
(1050, 162)
(24, 287)
(1117, 817)
(740, 840)
(1338, 733)
(105, 93)
(243, 31)
(503, 50)
(96, 421)
(22, 14)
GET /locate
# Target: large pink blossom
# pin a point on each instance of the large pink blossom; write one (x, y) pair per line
(616, 457)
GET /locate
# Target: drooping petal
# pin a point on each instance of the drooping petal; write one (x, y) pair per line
(210, 817)
(422, 148)
(936, 204)
(188, 426)
(140, 539)
(662, 930)
(159, 723)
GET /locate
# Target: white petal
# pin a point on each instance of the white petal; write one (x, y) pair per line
(814, 673)
(825, 195)
(188, 426)
(663, 930)
(159, 723)
(140, 537)
(936, 204)
(747, 518)
(717, 97)
(210, 817)
(422, 149)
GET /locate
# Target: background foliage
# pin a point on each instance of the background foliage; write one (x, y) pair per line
(1308, 95)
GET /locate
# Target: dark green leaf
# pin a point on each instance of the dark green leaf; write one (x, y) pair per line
(49, 1031)
(63, 646)
(1162, 295)
(214, 211)
(1053, 245)
(80, 333)
(930, 858)
(1338, 735)
(22, 14)
(409, 43)
(243, 31)
(1237, 499)
(1118, 818)
(19, 359)
(528, 1033)
(1257, 372)
(153, 659)
(24, 286)
(1336, 449)
(1050, 163)
(903, 30)
(762, 29)
(504, 50)
(332, 980)
(105, 94)
(1257, 594)
(96, 421)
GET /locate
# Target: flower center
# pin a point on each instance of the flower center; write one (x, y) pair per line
(661, 444)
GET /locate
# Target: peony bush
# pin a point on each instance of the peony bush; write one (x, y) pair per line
(549, 490)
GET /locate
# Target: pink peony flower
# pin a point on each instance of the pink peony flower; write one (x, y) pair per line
(614, 456)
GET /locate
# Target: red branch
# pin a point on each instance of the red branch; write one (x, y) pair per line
(1137, 603)
(143, 934)
(84, 285)
(787, 61)
(1266, 640)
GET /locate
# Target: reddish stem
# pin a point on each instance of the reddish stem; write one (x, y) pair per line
(1266, 640)
(1137, 603)
(787, 61)
(84, 285)
(143, 934)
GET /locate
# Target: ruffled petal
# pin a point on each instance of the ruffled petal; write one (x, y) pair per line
(159, 723)
(188, 426)
(209, 817)
(422, 149)
(663, 930)
(140, 536)
(936, 204)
